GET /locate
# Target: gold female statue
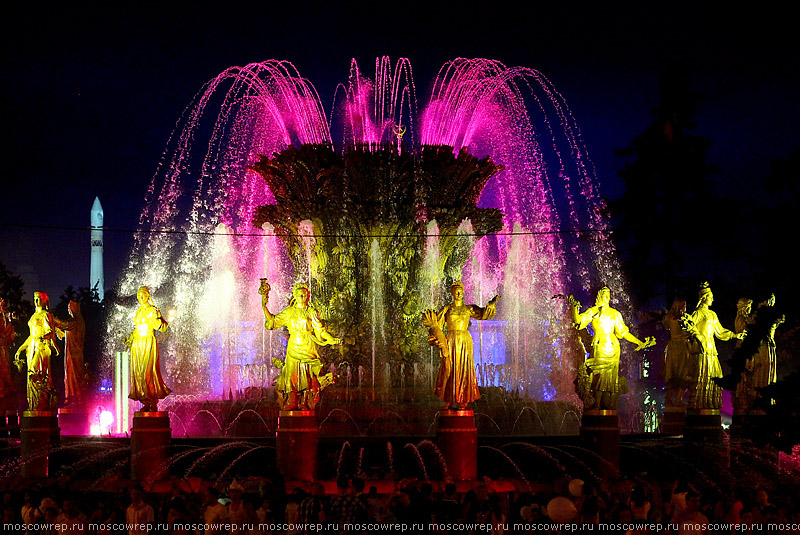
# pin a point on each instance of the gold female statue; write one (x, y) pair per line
(705, 392)
(677, 360)
(299, 383)
(765, 370)
(75, 376)
(742, 397)
(147, 384)
(455, 383)
(744, 317)
(609, 329)
(6, 338)
(39, 346)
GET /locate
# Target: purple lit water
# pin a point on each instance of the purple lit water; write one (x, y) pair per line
(209, 273)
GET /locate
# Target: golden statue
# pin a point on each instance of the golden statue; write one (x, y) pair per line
(603, 365)
(742, 397)
(75, 375)
(299, 383)
(744, 318)
(6, 338)
(455, 383)
(677, 360)
(764, 363)
(39, 346)
(705, 326)
(147, 385)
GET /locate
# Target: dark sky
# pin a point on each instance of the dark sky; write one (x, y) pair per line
(91, 95)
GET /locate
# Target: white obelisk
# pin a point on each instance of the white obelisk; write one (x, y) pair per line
(96, 268)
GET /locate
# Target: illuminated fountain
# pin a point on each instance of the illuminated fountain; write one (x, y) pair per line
(379, 207)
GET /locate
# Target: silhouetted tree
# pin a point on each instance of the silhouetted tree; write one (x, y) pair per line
(12, 290)
(93, 313)
(666, 193)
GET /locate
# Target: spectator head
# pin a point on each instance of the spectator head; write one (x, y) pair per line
(450, 490)
(69, 507)
(235, 490)
(297, 495)
(770, 514)
(637, 495)
(210, 496)
(50, 515)
(342, 483)
(693, 501)
(426, 490)
(8, 514)
(178, 504)
(358, 484)
(136, 493)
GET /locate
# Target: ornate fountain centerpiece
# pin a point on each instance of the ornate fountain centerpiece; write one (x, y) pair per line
(334, 209)
(378, 209)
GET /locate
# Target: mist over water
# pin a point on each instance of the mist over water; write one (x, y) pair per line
(209, 270)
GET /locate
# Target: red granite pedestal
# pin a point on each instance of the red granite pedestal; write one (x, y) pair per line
(73, 420)
(600, 434)
(673, 421)
(297, 439)
(39, 433)
(703, 426)
(755, 426)
(457, 439)
(10, 424)
(738, 422)
(150, 439)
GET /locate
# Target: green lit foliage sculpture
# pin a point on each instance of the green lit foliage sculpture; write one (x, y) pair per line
(365, 194)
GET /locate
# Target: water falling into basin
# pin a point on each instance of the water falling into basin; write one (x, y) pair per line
(377, 312)
(409, 242)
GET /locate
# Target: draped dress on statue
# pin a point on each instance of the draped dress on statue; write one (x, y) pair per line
(676, 356)
(41, 393)
(6, 338)
(146, 381)
(765, 369)
(705, 392)
(608, 328)
(75, 378)
(455, 382)
(301, 369)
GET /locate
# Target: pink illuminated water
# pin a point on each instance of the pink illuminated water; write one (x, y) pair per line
(547, 192)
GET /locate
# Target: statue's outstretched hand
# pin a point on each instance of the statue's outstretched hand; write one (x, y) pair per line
(650, 341)
(264, 289)
(430, 319)
(741, 335)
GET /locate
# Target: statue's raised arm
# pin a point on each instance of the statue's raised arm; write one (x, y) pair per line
(147, 383)
(704, 326)
(39, 347)
(606, 385)
(456, 384)
(299, 383)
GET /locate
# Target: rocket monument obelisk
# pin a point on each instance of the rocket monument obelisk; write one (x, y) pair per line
(96, 267)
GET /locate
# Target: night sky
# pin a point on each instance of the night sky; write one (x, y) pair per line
(91, 96)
